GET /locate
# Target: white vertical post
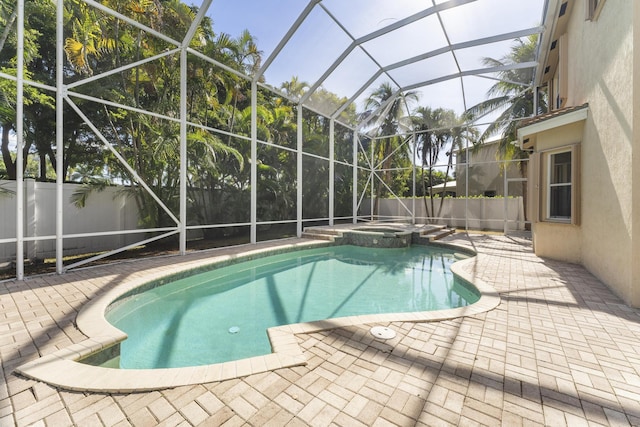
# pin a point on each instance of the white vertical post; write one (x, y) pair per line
(20, 143)
(506, 201)
(413, 173)
(183, 149)
(299, 174)
(466, 185)
(254, 160)
(373, 178)
(355, 177)
(332, 170)
(60, 94)
(30, 224)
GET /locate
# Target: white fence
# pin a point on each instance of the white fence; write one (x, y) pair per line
(111, 211)
(108, 210)
(478, 213)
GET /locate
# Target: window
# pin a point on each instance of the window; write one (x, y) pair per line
(560, 183)
(558, 197)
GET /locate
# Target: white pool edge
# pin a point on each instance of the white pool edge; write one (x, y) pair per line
(62, 369)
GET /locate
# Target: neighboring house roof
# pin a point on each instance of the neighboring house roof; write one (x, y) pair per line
(450, 186)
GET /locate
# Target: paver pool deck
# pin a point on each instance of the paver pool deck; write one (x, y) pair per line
(559, 349)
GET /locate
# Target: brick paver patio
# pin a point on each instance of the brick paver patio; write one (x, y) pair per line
(560, 349)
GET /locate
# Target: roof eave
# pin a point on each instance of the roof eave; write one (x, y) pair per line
(577, 115)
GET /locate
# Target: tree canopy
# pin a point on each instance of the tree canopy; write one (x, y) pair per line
(121, 127)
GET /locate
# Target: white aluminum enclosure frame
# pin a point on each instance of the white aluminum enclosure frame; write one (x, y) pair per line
(65, 93)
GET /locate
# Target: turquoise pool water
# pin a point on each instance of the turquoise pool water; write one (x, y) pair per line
(223, 314)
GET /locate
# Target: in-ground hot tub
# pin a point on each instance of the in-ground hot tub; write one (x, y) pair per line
(377, 237)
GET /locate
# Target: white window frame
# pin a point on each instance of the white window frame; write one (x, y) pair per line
(594, 7)
(550, 185)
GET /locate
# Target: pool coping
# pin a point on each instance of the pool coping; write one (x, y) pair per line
(63, 369)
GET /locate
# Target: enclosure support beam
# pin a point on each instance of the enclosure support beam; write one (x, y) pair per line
(505, 196)
(294, 27)
(299, 174)
(355, 177)
(466, 184)
(479, 71)
(332, 170)
(372, 177)
(134, 174)
(60, 89)
(254, 160)
(131, 21)
(182, 226)
(375, 34)
(413, 180)
(20, 141)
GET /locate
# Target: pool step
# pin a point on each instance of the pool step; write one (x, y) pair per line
(439, 234)
(436, 232)
(318, 236)
(321, 233)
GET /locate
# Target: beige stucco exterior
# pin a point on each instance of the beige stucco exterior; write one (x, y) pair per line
(634, 290)
(600, 71)
(566, 241)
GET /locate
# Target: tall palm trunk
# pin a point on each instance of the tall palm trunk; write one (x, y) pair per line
(6, 154)
(424, 196)
(444, 189)
(8, 27)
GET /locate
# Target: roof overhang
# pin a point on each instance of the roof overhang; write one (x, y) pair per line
(448, 186)
(555, 21)
(545, 122)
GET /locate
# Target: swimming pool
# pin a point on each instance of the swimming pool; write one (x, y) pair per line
(80, 366)
(223, 314)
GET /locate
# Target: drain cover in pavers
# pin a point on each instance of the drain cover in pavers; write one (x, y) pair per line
(382, 332)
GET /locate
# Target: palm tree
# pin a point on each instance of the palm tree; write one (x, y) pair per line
(391, 116)
(295, 88)
(512, 94)
(438, 131)
(242, 54)
(7, 19)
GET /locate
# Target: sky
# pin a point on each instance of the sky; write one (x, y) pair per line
(320, 41)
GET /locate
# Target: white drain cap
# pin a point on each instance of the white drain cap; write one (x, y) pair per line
(382, 332)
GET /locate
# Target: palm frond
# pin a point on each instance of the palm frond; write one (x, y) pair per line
(81, 194)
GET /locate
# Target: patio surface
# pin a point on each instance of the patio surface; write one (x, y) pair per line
(560, 349)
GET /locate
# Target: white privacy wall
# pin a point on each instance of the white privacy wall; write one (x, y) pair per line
(481, 213)
(108, 210)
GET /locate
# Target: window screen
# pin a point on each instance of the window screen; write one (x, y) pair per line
(560, 185)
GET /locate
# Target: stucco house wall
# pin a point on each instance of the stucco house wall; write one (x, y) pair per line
(634, 290)
(556, 240)
(601, 73)
(601, 63)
